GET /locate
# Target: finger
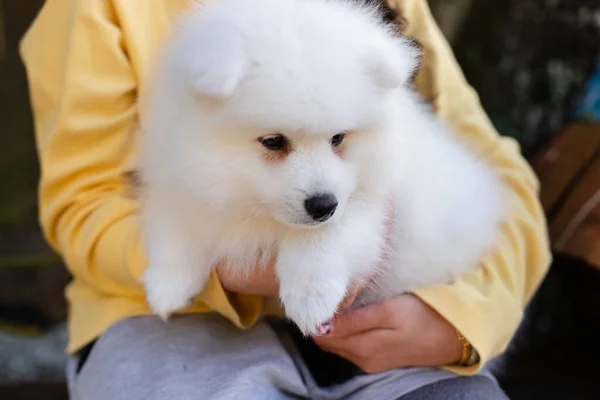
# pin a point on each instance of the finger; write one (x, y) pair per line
(355, 291)
(352, 322)
(352, 348)
(351, 296)
(368, 350)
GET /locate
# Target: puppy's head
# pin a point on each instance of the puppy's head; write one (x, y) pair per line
(281, 107)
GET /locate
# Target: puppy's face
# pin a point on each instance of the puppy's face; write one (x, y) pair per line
(301, 177)
(308, 181)
(286, 122)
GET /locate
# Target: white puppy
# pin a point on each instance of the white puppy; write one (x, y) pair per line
(283, 128)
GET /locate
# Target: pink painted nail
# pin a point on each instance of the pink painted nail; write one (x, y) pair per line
(324, 329)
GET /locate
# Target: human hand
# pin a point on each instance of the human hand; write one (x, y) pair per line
(259, 282)
(396, 333)
(264, 282)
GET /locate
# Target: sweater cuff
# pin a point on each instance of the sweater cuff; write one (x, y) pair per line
(243, 310)
(485, 313)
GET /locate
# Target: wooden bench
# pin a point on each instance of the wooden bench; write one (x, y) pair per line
(569, 171)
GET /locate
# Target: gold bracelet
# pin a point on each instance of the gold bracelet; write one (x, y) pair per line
(466, 349)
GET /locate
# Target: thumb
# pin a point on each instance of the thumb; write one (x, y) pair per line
(354, 291)
(351, 296)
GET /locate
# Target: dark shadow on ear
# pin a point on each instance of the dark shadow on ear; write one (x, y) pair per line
(400, 24)
(420, 59)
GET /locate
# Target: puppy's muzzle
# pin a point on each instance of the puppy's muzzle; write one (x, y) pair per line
(321, 206)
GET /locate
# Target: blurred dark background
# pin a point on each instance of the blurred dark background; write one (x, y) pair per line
(532, 61)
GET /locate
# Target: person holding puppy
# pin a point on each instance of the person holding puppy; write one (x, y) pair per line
(88, 64)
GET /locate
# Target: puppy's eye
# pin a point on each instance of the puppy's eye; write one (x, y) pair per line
(276, 142)
(338, 139)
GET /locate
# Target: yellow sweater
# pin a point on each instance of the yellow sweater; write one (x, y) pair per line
(88, 62)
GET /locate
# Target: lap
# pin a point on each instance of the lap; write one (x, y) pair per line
(191, 357)
(207, 357)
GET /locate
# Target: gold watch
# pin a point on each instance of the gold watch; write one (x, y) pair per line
(469, 355)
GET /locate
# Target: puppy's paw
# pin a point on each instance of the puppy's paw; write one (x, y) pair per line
(313, 308)
(165, 302)
(166, 295)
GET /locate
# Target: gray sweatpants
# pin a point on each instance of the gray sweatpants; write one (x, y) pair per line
(205, 357)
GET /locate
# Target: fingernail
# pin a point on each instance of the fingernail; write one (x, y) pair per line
(324, 329)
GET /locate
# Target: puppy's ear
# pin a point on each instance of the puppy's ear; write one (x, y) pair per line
(218, 60)
(393, 66)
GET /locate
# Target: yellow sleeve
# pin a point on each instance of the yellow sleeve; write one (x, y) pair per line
(83, 94)
(486, 305)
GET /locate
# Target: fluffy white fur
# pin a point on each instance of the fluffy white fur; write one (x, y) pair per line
(238, 70)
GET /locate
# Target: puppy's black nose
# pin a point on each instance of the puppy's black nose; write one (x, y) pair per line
(321, 206)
